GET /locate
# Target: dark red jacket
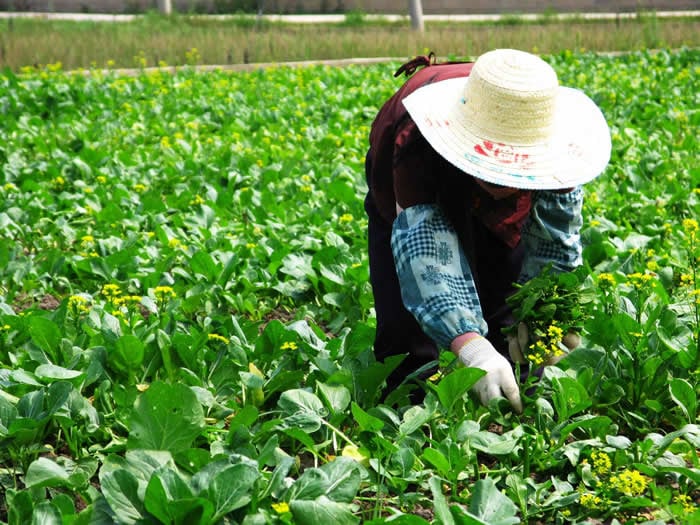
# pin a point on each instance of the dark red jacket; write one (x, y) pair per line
(405, 169)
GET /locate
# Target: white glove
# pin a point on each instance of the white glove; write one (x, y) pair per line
(518, 345)
(499, 379)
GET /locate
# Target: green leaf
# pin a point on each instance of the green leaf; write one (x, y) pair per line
(45, 334)
(166, 417)
(43, 472)
(128, 353)
(453, 386)
(20, 507)
(413, 419)
(55, 372)
(120, 489)
(301, 436)
(491, 506)
(344, 478)
(683, 395)
(570, 397)
(367, 422)
(442, 509)
(46, 513)
(170, 500)
(438, 460)
(337, 397)
(299, 400)
(203, 264)
(333, 273)
(64, 503)
(597, 425)
(310, 485)
(232, 488)
(322, 510)
(399, 519)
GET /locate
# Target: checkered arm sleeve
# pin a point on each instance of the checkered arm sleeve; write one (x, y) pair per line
(552, 233)
(437, 285)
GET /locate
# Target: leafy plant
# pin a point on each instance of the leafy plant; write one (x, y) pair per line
(186, 321)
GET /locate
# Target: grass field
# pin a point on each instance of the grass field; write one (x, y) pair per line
(154, 40)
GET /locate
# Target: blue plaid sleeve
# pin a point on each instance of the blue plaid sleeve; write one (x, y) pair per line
(437, 285)
(552, 233)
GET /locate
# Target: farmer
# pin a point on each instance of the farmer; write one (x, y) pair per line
(474, 173)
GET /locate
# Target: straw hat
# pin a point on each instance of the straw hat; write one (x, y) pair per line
(510, 123)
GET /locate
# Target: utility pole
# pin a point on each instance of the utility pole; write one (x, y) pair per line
(416, 9)
(165, 7)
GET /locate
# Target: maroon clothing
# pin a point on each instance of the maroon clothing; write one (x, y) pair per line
(401, 167)
(406, 170)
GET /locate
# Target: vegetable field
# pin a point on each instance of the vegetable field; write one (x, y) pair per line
(186, 319)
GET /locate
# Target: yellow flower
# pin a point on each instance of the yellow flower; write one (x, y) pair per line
(686, 502)
(606, 280)
(174, 243)
(590, 501)
(164, 292)
(139, 188)
(629, 482)
(435, 377)
(111, 290)
(639, 280)
(346, 217)
(87, 240)
(77, 304)
(601, 462)
(555, 333)
(127, 299)
(690, 226)
(217, 337)
(281, 507)
(289, 345)
(9, 186)
(687, 279)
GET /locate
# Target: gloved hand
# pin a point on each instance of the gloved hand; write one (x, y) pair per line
(499, 379)
(519, 344)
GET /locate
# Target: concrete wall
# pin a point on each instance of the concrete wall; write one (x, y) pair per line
(368, 6)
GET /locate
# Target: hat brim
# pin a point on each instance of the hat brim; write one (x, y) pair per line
(578, 149)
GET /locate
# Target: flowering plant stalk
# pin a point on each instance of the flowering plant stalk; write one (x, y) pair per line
(550, 305)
